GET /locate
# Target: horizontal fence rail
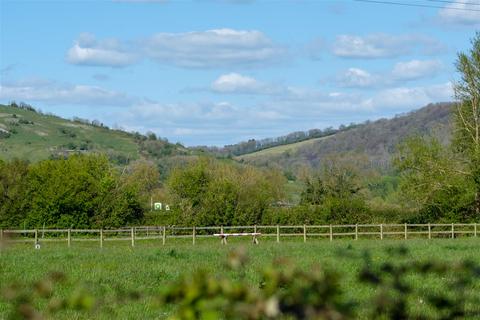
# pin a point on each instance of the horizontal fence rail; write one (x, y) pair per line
(162, 233)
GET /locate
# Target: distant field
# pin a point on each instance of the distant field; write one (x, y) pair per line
(279, 149)
(150, 266)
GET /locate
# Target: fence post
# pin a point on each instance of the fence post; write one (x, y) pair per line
(194, 232)
(164, 235)
(36, 237)
(278, 233)
(254, 229)
(356, 232)
(304, 233)
(133, 237)
(453, 231)
(223, 240)
(381, 231)
(331, 233)
(69, 237)
(101, 238)
(429, 231)
(475, 230)
(406, 234)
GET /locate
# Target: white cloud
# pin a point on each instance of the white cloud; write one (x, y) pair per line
(468, 14)
(197, 123)
(357, 78)
(382, 45)
(416, 69)
(51, 92)
(403, 97)
(220, 122)
(401, 72)
(240, 84)
(199, 49)
(195, 113)
(109, 52)
(236, 83)
(213, 48)
(306, 104)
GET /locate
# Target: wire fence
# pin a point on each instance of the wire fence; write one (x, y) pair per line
(278, 232)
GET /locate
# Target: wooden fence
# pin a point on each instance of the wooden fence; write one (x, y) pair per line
(162, 233)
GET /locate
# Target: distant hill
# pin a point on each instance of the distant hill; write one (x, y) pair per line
(30, 135)
(376, 141)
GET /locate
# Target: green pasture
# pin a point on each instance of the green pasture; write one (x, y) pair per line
(145, 269)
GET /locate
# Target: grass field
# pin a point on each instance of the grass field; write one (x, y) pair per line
(292, 147)
(150, 266)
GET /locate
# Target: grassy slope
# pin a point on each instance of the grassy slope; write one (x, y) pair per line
(149, 266)
(37, 141)
(280, 149)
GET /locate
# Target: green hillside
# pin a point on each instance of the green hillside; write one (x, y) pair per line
(278, 150)
(376, 141)
(34, 136)
(30, 135)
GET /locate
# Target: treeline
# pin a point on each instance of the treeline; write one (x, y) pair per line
(254, 145)
(28, 107)
(88, 191)
(77, 192)
(212, 192)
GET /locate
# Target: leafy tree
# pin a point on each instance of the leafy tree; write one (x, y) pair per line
(62, 192)
(444, 182)
(467, 114)
(434, 180)
(210, 192)
(143, 177)
(80, 191)
(13, 186)
(337, 192)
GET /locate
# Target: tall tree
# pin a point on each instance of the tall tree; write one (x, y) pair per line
(467, 115)
(445, 181)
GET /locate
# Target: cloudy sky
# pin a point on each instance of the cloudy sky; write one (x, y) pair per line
(214, 72)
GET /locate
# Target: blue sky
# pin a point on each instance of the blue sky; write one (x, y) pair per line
(219, 72)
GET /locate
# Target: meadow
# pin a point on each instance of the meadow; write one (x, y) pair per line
(129, 279)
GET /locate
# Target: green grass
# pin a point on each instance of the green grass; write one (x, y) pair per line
(150, 266)
(44, 135)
